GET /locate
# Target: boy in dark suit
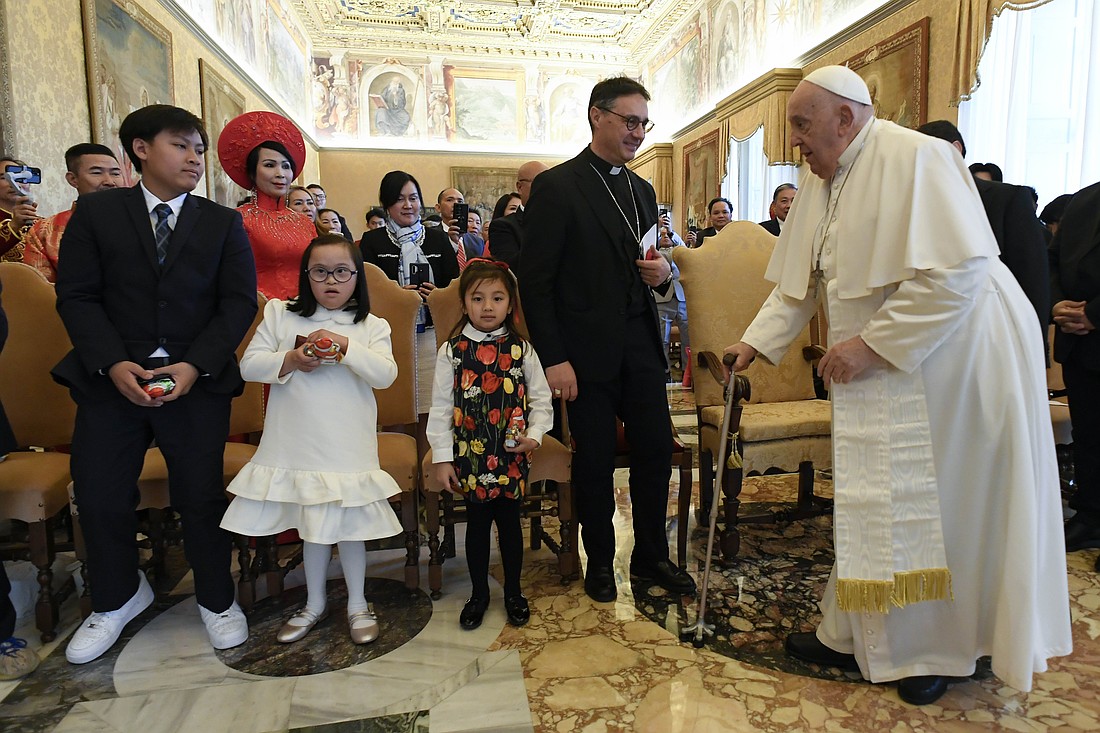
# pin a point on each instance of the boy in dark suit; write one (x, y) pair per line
(153, 282)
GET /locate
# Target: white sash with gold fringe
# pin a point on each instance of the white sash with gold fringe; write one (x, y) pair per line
(888, 531)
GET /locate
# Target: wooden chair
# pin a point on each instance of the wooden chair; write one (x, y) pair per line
(397, 450)
(551, 462)
(161, 525)
(33, 483)
(783, 426)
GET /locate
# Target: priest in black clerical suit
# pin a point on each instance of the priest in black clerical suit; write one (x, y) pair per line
(1075, 294)
(586, 291)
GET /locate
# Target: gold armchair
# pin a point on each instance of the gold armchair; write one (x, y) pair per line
(33, 482)
(783, 426)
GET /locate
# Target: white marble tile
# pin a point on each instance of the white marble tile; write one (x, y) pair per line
(249, 708)
(495, 700)
(435, 664)
(171, 652)
(82, 719)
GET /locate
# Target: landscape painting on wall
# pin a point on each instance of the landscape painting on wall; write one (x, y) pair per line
(896, 72)
(481, 187)
(220, 104)
(486, 104)
(129, 58)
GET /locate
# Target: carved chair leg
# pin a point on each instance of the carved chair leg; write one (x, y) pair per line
(535, 501)
(569, 562)
(81, 552)
(41, 554)
(411, 526)
(435, 557)
(246, 582)
(272, 572)
(730, 539)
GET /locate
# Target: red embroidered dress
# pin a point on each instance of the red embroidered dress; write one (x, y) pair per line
(278, 236)
(489, 388)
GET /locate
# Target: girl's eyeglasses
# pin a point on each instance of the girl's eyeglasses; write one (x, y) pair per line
(319, 274)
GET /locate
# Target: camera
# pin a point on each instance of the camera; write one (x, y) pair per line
(418, 273)
(462, 217)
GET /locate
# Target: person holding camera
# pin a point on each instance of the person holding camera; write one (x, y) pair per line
(417, 257)
(18, 212)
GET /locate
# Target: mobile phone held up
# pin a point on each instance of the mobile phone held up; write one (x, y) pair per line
(462, 217)
(21, 176)
(418, 273)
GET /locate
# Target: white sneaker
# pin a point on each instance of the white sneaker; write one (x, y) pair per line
(100, 631)
(226, 629)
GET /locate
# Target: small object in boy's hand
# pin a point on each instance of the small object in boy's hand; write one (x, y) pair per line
(159, 386)
(325, 349)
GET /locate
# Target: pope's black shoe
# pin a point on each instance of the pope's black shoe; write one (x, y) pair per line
(472, 613)
(807, 647)
(1081, 533)
(922, 690)
(669, 576)
(599, 583)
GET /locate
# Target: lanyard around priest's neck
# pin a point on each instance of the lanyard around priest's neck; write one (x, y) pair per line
(636, 231)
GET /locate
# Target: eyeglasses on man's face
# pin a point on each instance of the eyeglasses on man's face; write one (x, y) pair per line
(632, 121)
(340, 274)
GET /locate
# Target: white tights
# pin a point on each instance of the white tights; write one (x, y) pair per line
(353, 559)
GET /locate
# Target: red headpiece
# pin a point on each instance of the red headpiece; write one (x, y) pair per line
(244, 133)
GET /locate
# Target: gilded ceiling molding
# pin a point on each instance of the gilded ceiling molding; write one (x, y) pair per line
(655, 164)
(761, 102)
(7, 120)
(975, 23)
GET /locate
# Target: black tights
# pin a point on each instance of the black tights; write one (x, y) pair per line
(479, 521)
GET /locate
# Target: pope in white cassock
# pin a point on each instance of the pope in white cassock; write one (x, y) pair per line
(948, 525)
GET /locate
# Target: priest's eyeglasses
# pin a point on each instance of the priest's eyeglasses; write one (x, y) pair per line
(320, 274)
(632, 122)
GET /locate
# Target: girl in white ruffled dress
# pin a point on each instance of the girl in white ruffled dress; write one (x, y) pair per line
(316, 469)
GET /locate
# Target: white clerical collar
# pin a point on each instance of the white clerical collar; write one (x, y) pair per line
(849, 155)
(615, 170)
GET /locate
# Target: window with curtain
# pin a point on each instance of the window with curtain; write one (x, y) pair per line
(750, 181)
(1039, 97)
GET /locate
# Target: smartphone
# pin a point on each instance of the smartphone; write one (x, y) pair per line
(462, 216)
(419, 273)
(20, 176)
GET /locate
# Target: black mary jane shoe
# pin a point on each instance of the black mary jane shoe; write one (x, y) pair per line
(517, 609)
(805, 645)
(599, 583)
(922, 690)
(666, 574)
(472, 613)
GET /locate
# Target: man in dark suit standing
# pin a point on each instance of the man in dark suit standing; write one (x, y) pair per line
(1011, 213)
(1075, 290)
(585, 281)
(153, 282)
(506, 232)
(781, 205)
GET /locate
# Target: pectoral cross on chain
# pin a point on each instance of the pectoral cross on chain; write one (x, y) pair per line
(819, 277)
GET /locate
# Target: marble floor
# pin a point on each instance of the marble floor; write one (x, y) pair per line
(577, 666)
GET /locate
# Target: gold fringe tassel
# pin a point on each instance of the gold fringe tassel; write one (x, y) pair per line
(911, 586)
(734, 461)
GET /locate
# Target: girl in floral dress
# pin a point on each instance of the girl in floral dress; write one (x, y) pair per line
(491, 406)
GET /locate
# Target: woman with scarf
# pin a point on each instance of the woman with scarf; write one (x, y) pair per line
(417, 257)
(264, 152)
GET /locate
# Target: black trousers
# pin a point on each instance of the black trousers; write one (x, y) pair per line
(479, 524)
(109, 443)
(638, 398)
(7, 608)
(1083, 387)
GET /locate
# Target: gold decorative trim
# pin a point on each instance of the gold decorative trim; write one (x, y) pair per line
(7, 118)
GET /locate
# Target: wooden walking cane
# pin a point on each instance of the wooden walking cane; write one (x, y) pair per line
(736, 389)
